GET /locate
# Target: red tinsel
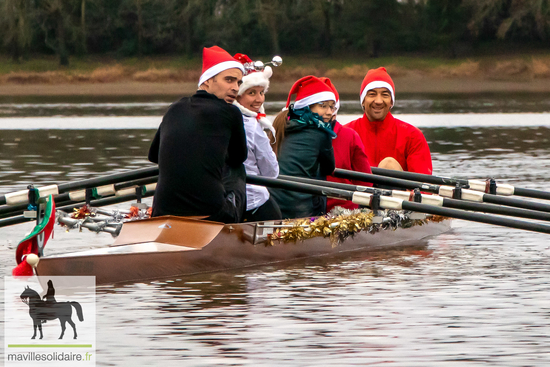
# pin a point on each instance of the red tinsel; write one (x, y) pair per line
(82, 213)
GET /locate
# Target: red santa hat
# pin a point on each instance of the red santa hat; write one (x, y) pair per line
(329, 83)
(215, 60)
(310, 90)
(377, 78)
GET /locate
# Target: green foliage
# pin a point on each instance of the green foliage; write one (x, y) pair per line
(369, 28)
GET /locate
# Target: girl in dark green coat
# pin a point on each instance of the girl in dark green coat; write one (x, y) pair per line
(304, 144)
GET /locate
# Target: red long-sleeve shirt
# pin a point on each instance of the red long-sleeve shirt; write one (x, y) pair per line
(349, 153)
(397, 139)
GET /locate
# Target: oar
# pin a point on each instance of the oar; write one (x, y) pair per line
(447, 203)
(363, 198)
(20, 196)
(94, 203)
(446, 191)
(478, 185)
(74, 197)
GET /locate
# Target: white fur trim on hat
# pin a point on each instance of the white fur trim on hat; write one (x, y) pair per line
(218, 68)
(256, 79)
(336, 107)
(377, 84)
(314, 98)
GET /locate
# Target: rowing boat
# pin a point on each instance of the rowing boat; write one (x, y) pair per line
(175, 246)
(171, 246)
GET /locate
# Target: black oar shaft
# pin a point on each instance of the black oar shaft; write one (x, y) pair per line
(299, 187)
(448, 203)
(410, 185)
(518, 203)
(335, 185)
(418, 177)
(476, 217)
(110, 179)
(422, 208)
(383, 180)
(496, 209)
(530, 193)
(106, 201)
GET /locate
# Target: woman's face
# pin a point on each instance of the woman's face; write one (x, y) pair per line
(324, 109)
(252, 98)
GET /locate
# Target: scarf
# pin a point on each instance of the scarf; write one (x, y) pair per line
(306, 117)
(260, 116)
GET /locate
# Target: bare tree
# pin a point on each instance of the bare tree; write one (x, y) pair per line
(507, 15)
(18, 27)
(270, 13)
(83, 45)
(53, 18)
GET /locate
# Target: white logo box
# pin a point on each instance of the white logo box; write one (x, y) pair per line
(71, 293)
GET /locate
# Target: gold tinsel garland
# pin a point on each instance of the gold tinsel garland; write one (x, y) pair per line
(340, 224)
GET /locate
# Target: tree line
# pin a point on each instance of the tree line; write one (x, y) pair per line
(265, 27)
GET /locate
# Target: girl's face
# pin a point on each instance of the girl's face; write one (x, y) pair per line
(324, 109)
(252, 98)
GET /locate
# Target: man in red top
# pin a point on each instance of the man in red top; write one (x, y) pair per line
(349, 154)
(389, 143)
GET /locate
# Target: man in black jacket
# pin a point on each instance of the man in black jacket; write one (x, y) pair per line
(200, 147)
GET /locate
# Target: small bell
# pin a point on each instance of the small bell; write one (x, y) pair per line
(259, 65)
(277, 61)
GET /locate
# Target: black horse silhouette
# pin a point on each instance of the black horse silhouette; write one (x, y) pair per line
(41, 311)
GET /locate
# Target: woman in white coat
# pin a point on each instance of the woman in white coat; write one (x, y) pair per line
(261, 160)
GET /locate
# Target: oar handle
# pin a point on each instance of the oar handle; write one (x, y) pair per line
(140, 173)
(78, 196)
(94, 203)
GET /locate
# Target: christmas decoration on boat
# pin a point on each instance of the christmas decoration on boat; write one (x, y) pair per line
(340, 223)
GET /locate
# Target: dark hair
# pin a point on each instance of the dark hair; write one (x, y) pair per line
(279, 124)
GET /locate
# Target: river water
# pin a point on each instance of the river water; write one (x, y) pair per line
(475, 296)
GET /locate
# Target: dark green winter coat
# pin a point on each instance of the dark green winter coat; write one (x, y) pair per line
(306, 151)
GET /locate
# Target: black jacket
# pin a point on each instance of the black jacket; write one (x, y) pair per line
(306, 151)
(198, 136)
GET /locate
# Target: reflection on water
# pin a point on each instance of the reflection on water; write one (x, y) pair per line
(475, 296)
(157, 105)
(47, 156)
(66, 155)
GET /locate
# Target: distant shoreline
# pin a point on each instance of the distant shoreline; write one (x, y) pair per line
(175, 76)
(407, 84)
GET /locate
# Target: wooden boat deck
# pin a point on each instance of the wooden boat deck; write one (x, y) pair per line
(185, 246)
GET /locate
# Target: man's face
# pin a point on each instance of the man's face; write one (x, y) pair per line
(225, 85)
(252, 98)
(377, 104)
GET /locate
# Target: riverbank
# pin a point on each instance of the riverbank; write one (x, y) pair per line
(345, 87)
(177, 76)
